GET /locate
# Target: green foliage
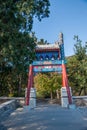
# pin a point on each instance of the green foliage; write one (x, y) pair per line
(42, 42)
(47, 83)
(77, 65)
(80, 51)
(21, 13)
(17, 42)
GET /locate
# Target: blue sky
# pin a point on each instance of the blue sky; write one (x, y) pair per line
(66, 16)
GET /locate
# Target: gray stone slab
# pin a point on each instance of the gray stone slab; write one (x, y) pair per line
(47, 117)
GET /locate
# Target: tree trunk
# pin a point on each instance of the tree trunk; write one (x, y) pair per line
(80, 91)
(19, 87)
(51, 95)
(57, 94)
(10, 92)
(84, 90)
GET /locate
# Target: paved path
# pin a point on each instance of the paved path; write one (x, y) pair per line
(48, 117)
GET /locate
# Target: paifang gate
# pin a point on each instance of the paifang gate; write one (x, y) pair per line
(49, 58)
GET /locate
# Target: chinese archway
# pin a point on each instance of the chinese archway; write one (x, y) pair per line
(49, 58)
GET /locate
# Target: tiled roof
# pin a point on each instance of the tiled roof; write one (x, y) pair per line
(49, 46)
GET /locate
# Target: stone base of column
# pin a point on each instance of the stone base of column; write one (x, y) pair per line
(64, 97)
(32, 102)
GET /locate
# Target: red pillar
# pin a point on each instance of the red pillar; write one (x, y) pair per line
(30, 84)
(65, 82)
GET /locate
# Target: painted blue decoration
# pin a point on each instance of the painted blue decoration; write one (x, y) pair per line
(46, 55)
(50, 62)
(54, 69)
(49, 58)
(62, 51)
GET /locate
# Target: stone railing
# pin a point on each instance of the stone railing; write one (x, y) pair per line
(10, 104)
(80, 100)
(80, 97)
(20, 100)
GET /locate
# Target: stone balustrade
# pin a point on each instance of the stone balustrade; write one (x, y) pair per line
(8, 106)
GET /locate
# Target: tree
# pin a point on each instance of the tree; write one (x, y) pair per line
(53, 84)
(49, 83)
(42, 42)
(72, 72)
(39, 83)
(80, 51)
(17, 42)
(21, 13)
(78, 68)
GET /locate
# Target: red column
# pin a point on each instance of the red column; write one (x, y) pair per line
(65, 82)
(30, 83)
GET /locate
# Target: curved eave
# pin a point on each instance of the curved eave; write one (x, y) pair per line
(46, 49)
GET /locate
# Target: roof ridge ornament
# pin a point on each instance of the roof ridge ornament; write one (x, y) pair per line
(61, 38)
(52, 45)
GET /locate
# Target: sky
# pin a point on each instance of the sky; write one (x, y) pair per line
(68, 17)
